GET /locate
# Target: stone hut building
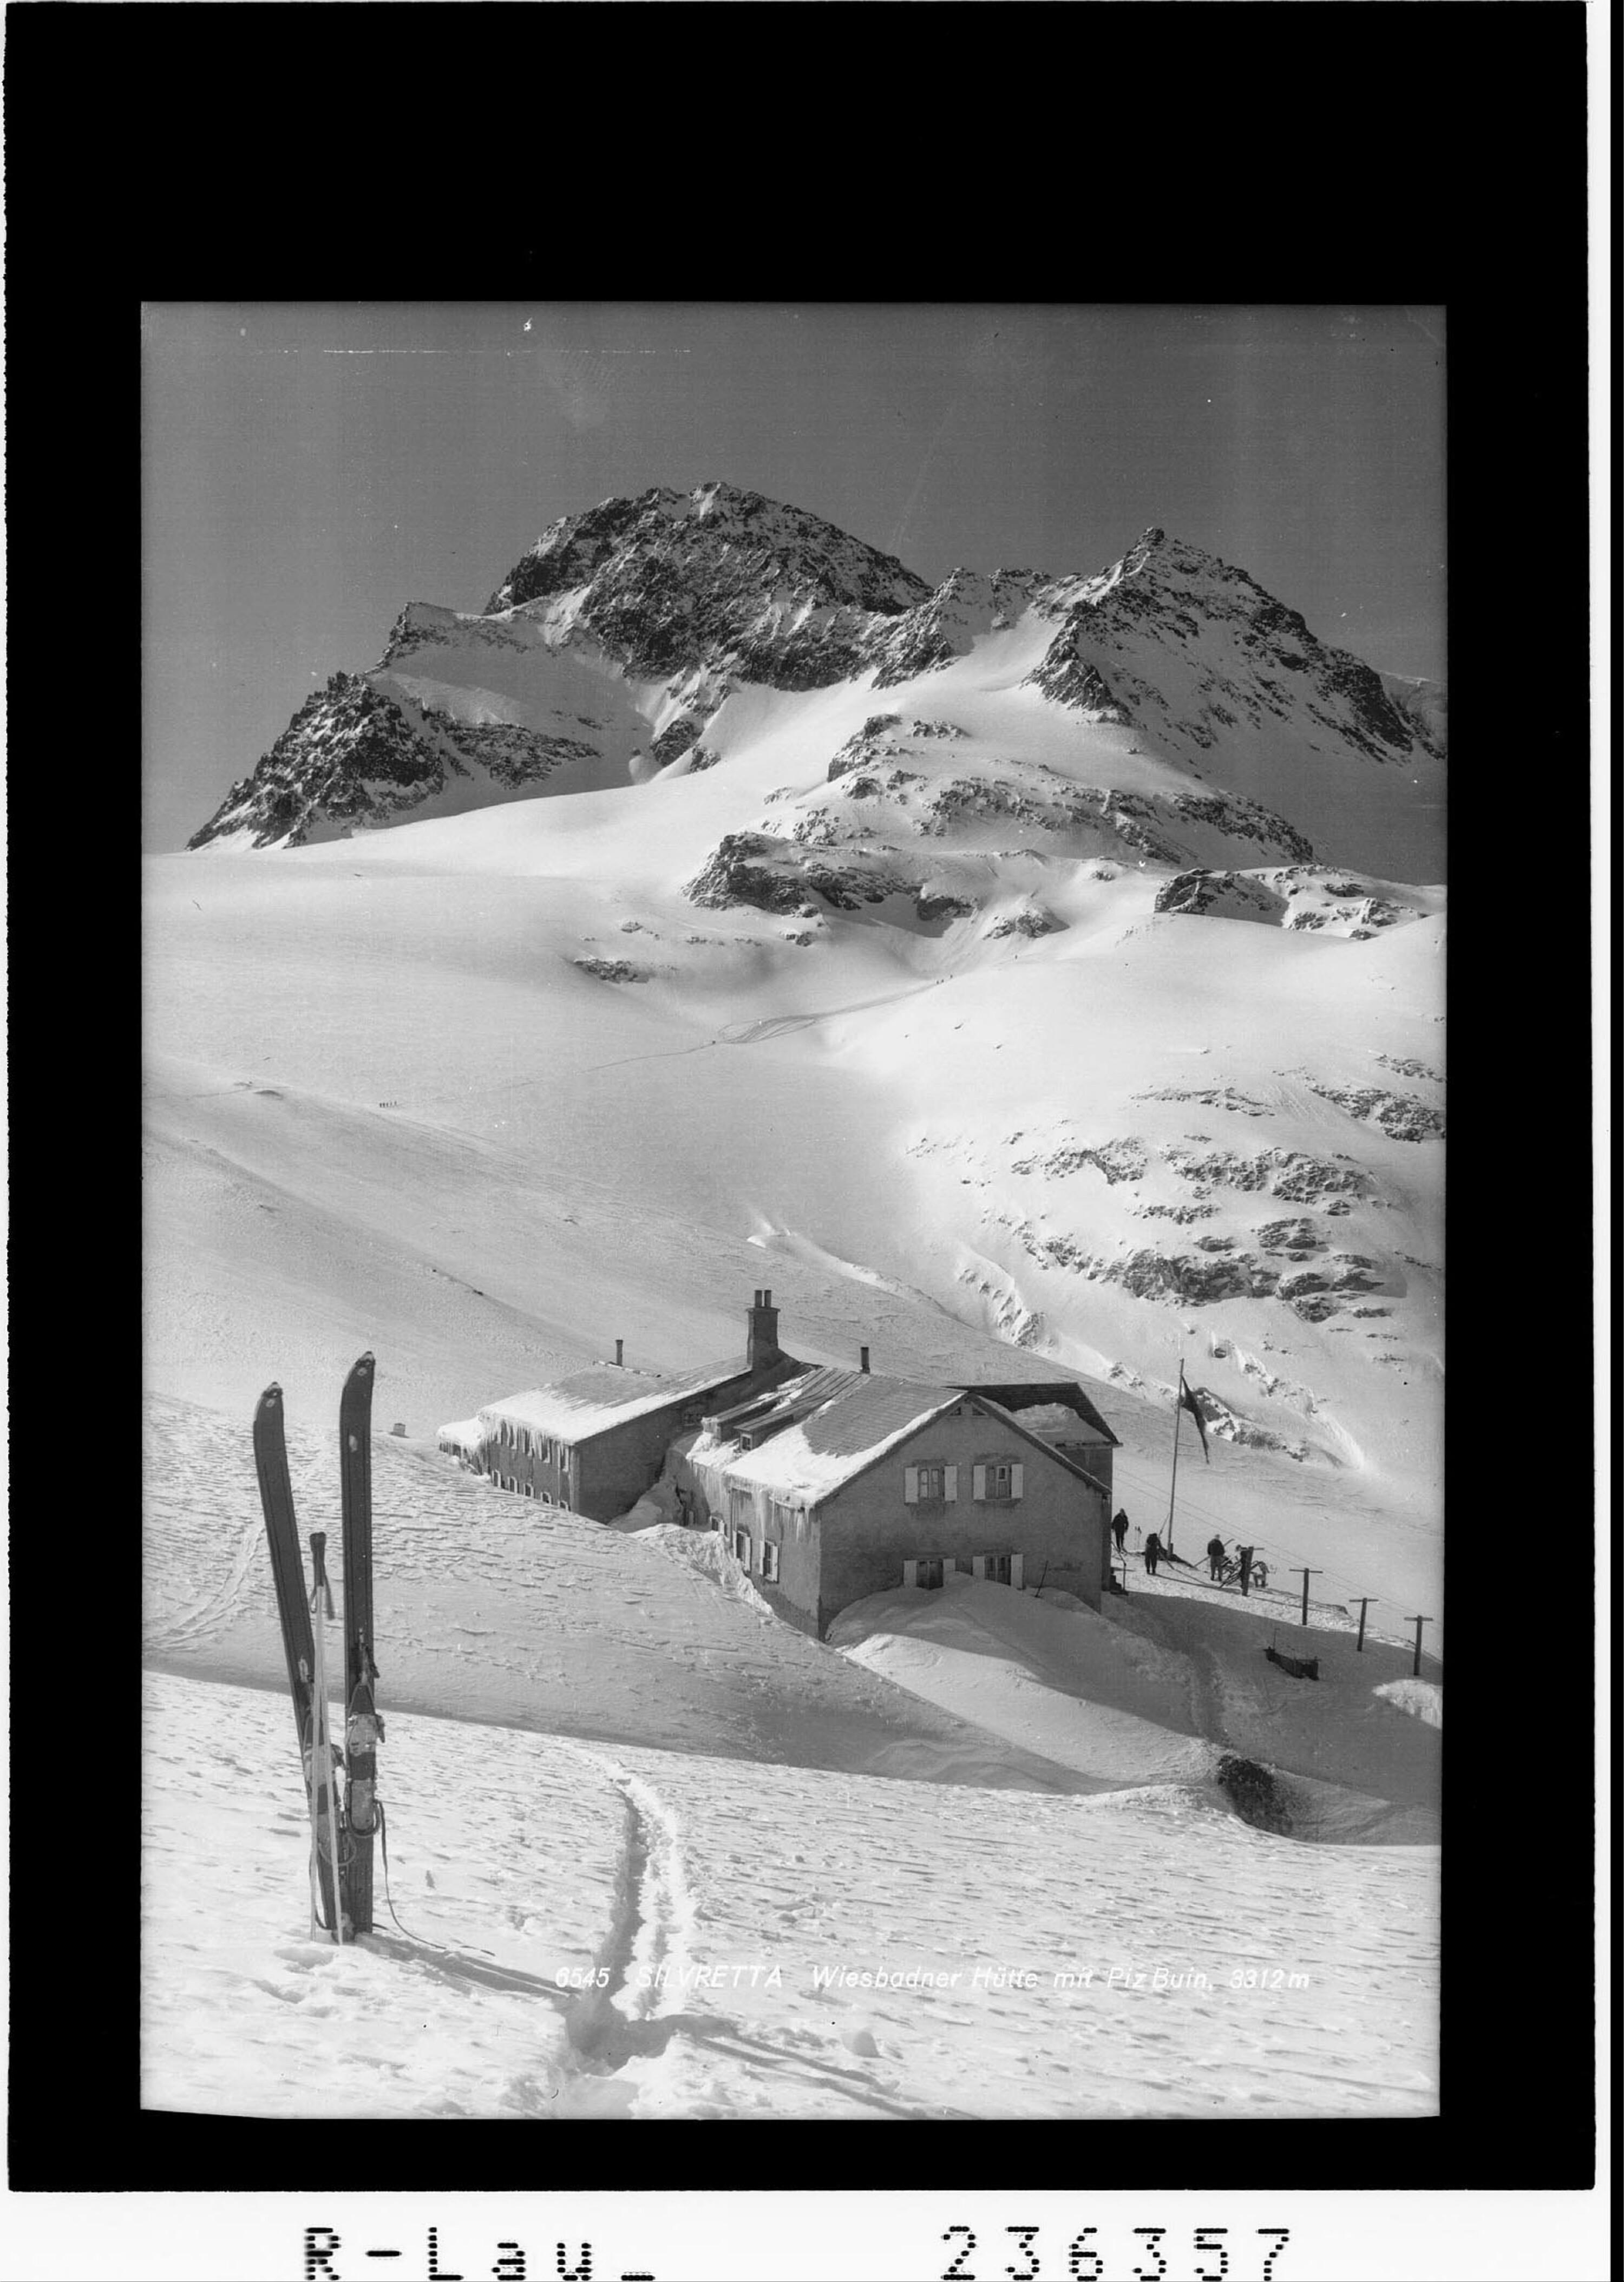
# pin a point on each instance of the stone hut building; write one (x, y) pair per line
(596, 1441)
(835, 1484)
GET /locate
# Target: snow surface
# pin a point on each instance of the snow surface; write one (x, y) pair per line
(387, 1108)
(726, 1907)
(643, 1767)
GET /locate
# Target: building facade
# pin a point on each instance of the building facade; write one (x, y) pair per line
(846, 1484)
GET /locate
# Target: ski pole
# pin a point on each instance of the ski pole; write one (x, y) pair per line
(323, 1787)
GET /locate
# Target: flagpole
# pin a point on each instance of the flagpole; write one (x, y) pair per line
(1178, 1404)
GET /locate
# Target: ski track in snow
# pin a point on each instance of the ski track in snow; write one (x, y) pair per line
(515, 1856)
(685, 1877)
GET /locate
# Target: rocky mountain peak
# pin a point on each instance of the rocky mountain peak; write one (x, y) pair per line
(616, 642)
(716, 533)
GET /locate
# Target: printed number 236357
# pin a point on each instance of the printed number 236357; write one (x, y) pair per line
(1213, 2257)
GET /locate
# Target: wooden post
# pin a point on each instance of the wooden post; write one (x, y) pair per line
(1363, 1604)
(1418, 1622)
(1305, 1575)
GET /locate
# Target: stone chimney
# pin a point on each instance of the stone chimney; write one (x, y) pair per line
(863, 1352)
(762, 1345)
(619, 1351)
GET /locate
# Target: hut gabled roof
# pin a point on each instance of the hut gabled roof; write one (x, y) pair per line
(830, 1426)
(606, 1395)
(1020, 1395)
(856, 1417)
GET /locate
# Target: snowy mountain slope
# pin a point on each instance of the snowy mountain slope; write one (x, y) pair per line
(1139, 1133)
(622, 643)
(1027, 962)
(1205, 662)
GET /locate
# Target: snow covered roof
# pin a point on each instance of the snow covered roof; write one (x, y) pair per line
(858, 1416)
(464, 1432)
(591, 1402)
(830, 1424)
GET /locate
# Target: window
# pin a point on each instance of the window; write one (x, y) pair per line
(769, 1561)
(929, 1484)
(995, 1568)
(926, 1571)
(998, 1480)
(742, 1547)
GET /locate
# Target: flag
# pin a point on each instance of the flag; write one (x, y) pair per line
(1186, 1401)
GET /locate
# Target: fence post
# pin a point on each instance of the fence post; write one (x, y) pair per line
(1363, 1604)
(1305, 1575)
(1418, 1622)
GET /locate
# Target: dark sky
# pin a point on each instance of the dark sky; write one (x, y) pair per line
(309, 469)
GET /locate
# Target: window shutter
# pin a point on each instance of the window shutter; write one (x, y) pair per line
(978, 1481)
(978, 1566)
(1017, 1476)
(950, 1483)
(910, 1485)
(1014, 1571)
(910, 1572)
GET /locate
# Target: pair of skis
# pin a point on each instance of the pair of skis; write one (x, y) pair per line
(341, 1830)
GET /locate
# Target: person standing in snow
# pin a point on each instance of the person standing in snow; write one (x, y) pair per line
(1214, 1556)
(1153, 1548)
(1243, 1554)
(1119, 1526)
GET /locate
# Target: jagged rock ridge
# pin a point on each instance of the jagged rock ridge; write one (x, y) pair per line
(668, 603)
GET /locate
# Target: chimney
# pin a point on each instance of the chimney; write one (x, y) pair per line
(762, 1345)
(863, 1353)
(619, 1350)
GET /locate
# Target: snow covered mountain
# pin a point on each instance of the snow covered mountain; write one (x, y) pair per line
(708, 772)
(749, 911)
(1164, 707)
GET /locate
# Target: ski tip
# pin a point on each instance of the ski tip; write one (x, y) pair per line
(271, 1400)
(363, 1366)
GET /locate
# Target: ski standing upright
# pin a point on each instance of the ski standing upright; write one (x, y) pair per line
(363, 1729)
(324, 1819)
(288, 1570)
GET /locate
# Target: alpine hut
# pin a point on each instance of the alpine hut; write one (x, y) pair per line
(596, 1441)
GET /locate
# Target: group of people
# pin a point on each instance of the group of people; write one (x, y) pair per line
(1150, 1547)
(1155, 1550)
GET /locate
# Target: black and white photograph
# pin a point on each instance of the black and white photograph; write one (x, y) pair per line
(794, 1135)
